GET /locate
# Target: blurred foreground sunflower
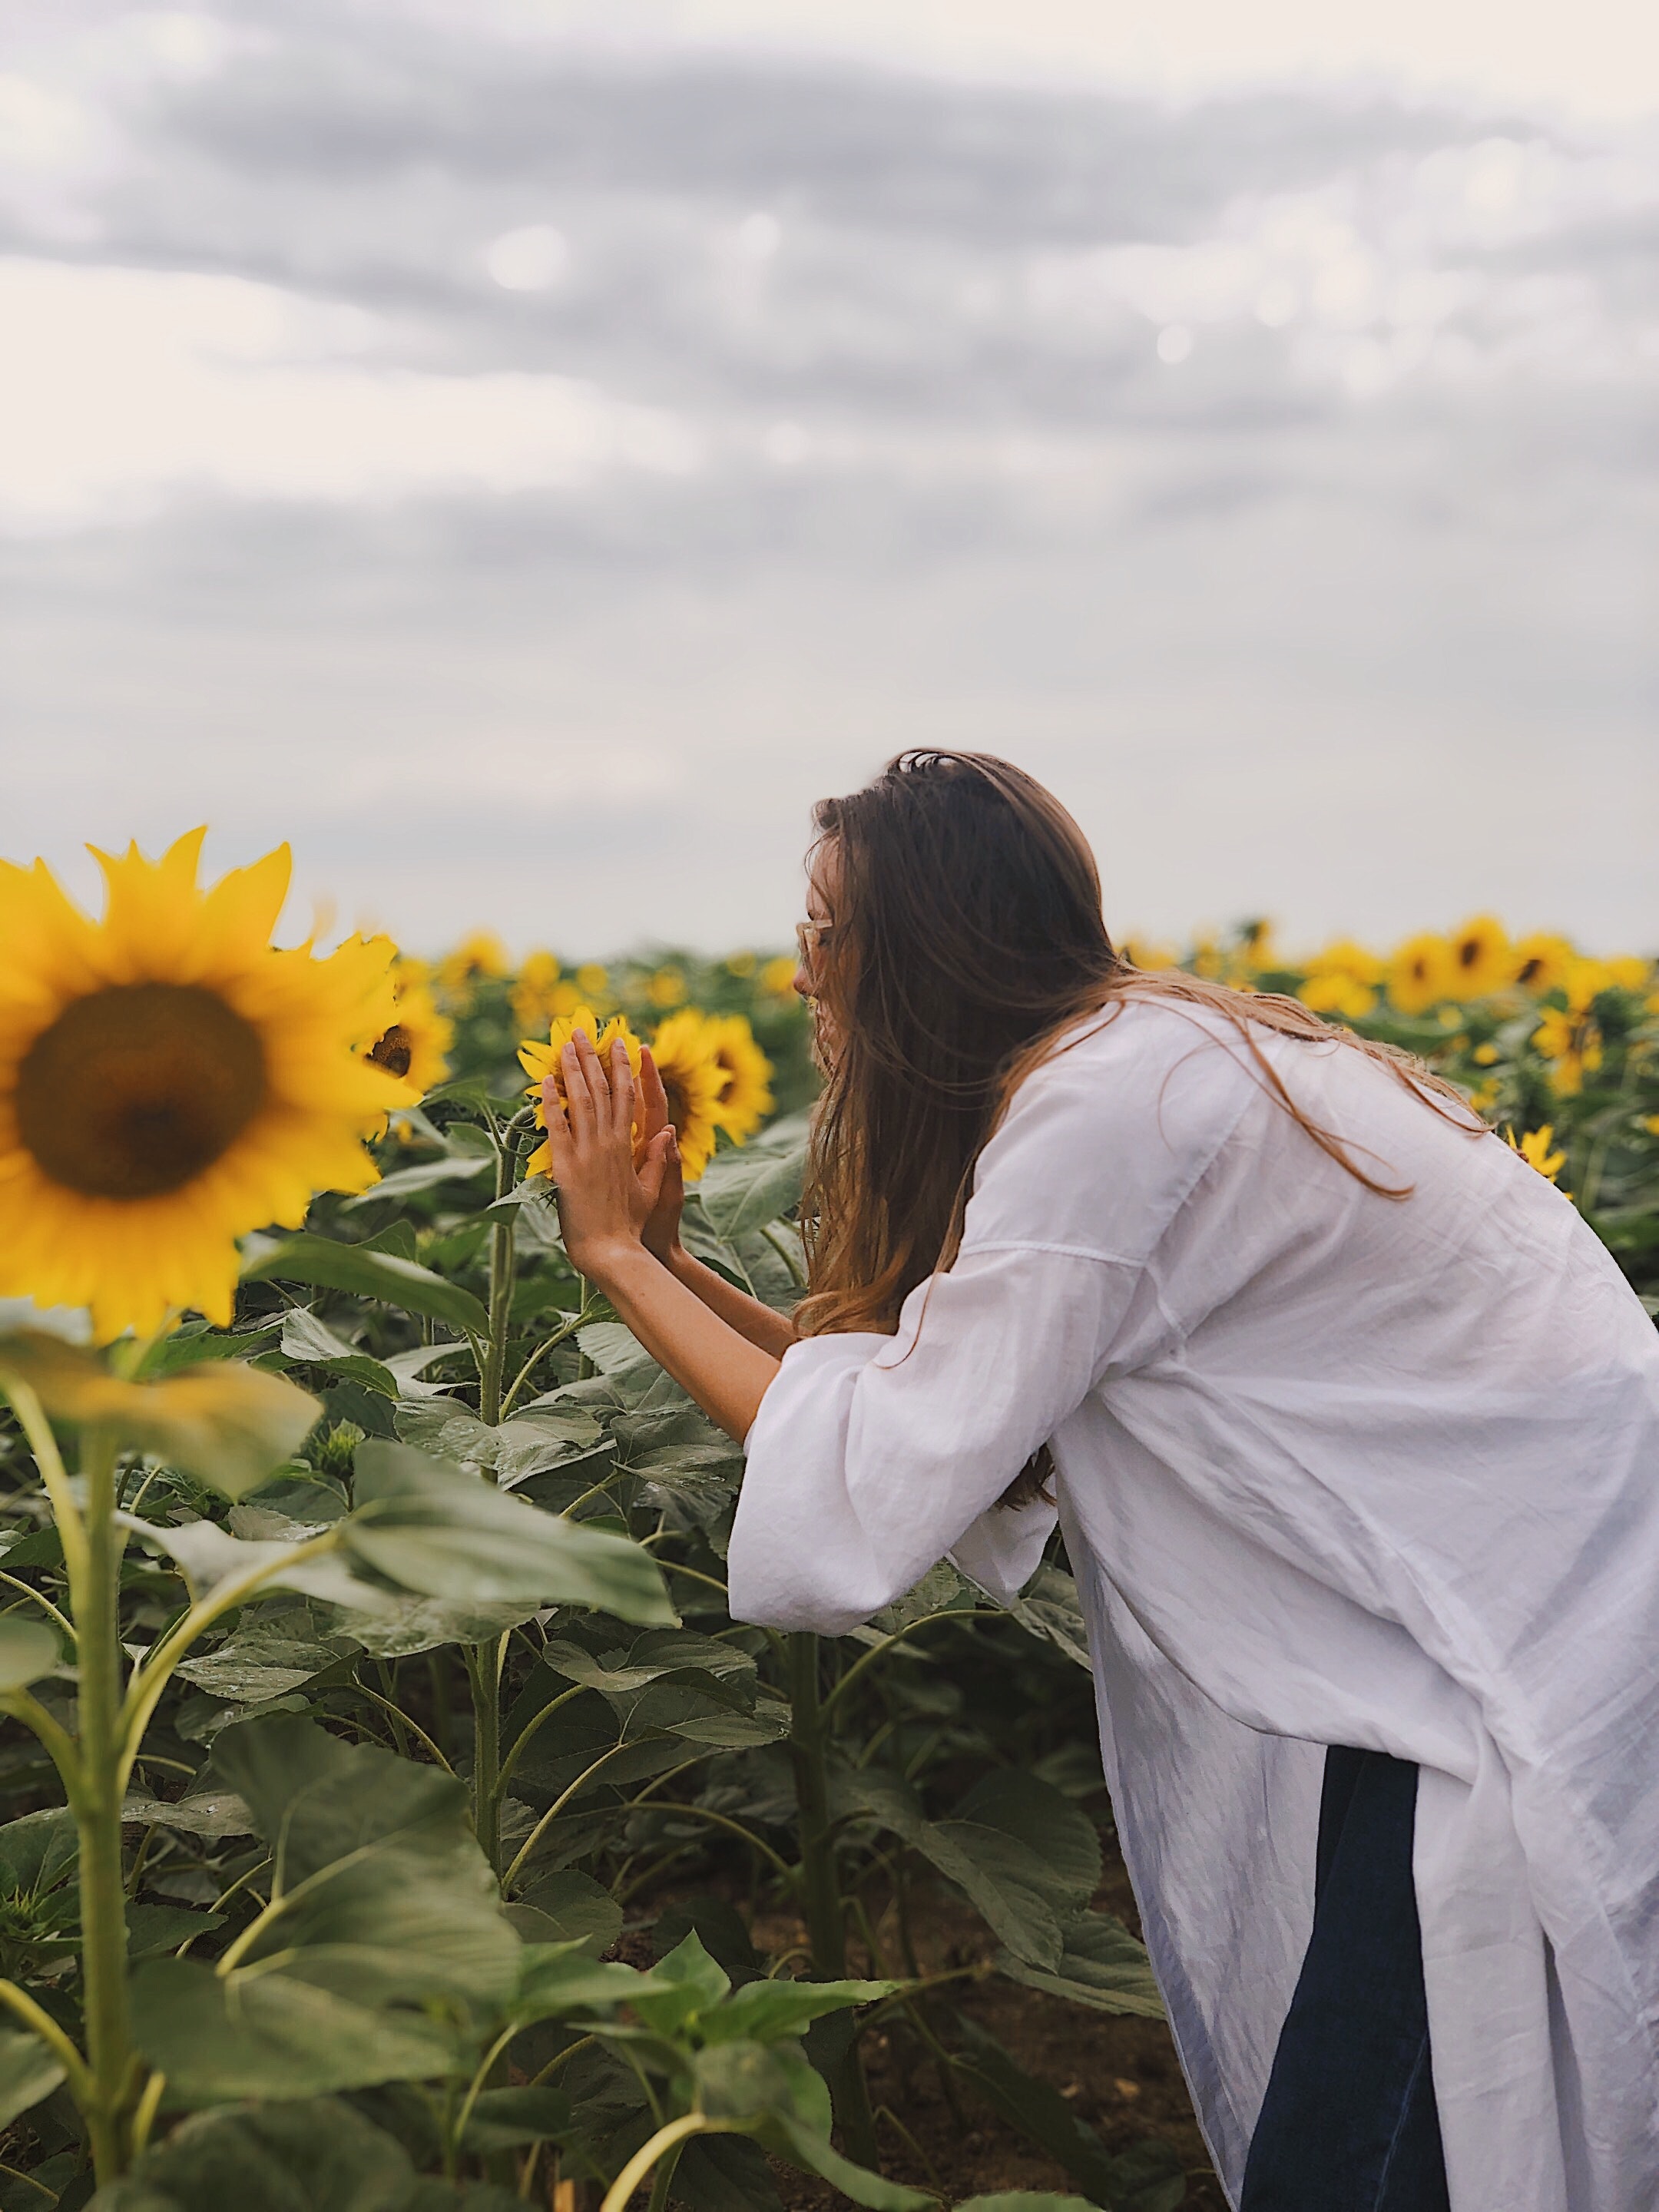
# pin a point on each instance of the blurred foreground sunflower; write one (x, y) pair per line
(694, 1080)
(169, 1080)
(414, 1045)
(540, 1060)
(746, 1099)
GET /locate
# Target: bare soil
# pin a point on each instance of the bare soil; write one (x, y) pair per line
(1119, 2074)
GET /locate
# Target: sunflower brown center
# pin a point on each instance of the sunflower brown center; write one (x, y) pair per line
(134, 1092)
(394, 1051)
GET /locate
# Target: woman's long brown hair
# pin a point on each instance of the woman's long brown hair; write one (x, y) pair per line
(968, 937)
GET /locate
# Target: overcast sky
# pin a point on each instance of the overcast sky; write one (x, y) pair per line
(523, 453)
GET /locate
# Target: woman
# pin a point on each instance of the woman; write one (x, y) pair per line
(1353, 1430)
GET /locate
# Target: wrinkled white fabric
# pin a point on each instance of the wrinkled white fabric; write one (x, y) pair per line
(1334, 1467)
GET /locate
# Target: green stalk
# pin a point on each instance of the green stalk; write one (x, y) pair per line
(97, 1807)
(501, 1286)
(820, 1888)
(667, 2139)
(483, 1674)
(820, 1894)
(484, 1662)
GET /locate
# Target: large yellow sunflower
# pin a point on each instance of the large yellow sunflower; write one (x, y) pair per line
(694, 1078)
(746, 1099)
(540, 1060)
(170, 1080)
(414, 1045)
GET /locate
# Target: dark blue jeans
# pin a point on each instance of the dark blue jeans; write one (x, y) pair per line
(1349, 2123)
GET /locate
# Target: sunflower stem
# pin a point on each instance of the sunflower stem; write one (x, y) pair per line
(97, 1805)
(822, 1906)
(502, 1270)
(483, 1674)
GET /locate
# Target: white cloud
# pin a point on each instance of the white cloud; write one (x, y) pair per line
(530, 259)
(1599, 57)
(120, 386)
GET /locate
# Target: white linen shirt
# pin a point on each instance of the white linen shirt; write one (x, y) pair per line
(1333, 1468)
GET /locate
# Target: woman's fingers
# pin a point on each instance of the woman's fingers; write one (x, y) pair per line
(558, 1128)
(653, 1166)
(621, 1092)
(578, 1102)
(654, 1099)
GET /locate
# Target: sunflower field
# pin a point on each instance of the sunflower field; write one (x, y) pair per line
(397, 1821)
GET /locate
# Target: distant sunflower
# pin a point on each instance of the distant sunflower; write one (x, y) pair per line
(746, 1099)
(1341, 980)
(1482, 960)
(479, 957)
(1540, 962)
(1421, 974)
(536, 991)
(1571, 1043)
(414, 1044)
(540, 1060)
(1335, 991)
(170, 1080)
(695, 1079)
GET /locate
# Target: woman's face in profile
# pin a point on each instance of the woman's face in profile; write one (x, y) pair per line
(815, 940)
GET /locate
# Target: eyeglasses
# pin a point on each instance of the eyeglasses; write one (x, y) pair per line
(811, 939)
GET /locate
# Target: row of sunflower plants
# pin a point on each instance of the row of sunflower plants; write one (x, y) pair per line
(365, 1645)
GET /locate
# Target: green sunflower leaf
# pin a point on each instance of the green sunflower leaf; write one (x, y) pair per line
(226, 1423)
(28, 2071)
(28, 1649)
(430, 1528)
(315, 2156)
(326, 1265)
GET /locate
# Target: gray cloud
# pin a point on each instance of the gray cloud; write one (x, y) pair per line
(1347, 613)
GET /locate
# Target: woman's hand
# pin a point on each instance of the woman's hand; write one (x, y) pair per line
(661, 1233)
(606, 1196)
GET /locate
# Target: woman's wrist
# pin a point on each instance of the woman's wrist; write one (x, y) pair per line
(602, 1263)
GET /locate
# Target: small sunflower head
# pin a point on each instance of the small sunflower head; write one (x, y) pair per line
(1422, 973)
(1539, 963)
(1482, 958)
(536, 991)
(413, 1043)
(480, 957)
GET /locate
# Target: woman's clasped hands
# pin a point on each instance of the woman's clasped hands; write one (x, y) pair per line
(619, 1185)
